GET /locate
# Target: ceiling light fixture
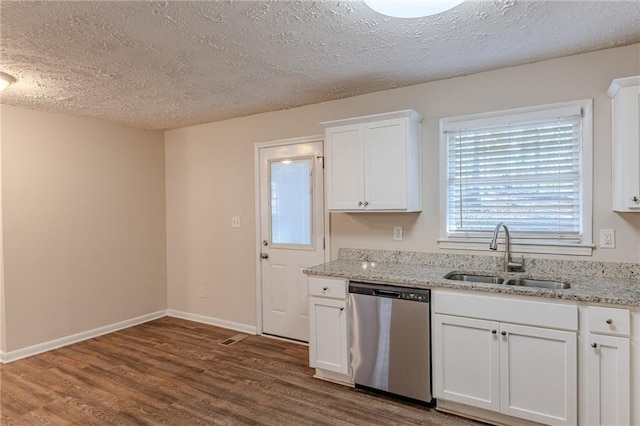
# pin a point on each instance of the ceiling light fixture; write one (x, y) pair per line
(411, 8)
(6, 80)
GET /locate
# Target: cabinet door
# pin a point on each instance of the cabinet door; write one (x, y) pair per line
(608, 386)
(385, 164)
(328, 338)
(466, 361)
(344, 165)
(538, 374)
(626, 149)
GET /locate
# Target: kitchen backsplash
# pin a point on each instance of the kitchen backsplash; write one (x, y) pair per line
(478, 263)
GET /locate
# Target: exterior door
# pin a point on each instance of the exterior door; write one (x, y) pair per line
(292, 234)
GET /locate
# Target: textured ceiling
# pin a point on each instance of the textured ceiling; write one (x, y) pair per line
(162, 65)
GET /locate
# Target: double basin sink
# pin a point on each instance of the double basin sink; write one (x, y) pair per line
(514, 281)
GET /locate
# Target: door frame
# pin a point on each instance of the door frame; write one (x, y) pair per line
(258, 215)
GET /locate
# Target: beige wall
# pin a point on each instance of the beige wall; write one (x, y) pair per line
(2, 321)
(209, 171)
(84, 224)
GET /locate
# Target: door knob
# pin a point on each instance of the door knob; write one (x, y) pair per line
(504, 333)
(264, 255)
(594, 345)
(635, 199)
(493, 331)
(265, 243)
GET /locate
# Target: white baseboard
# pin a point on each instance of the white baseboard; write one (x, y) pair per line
(6, 357)
(243, 328)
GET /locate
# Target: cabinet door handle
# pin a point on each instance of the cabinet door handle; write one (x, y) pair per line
(494, 331)
(325, 288)
(609, 321)
(635, 199)
(359, 203)
(366, 203)
(504, 333)
(342, 309)
(594, 345)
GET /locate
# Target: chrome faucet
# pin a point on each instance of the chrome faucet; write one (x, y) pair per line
(509, 264)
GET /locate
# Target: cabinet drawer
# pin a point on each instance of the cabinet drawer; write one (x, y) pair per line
(328, 287)
(614, 321)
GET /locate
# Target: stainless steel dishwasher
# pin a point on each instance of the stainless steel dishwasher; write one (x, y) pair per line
(390, 340)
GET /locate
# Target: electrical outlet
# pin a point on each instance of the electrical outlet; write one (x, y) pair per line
(397, 233)
(235, 221)
(201, 293)
(607, 238)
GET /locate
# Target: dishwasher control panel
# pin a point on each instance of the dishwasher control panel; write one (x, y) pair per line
(390, 292)
(416, 297)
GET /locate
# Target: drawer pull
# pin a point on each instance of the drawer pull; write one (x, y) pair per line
(594, 345)
(609, 321)
(342, 309)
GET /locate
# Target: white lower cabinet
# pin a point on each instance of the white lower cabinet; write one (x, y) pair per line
(328, 340)
(328, 344)
(524, 371)
(467, 360)
(539, 374)
(608, 367)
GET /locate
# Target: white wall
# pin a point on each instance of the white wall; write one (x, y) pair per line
(84, 225)
(209, 174)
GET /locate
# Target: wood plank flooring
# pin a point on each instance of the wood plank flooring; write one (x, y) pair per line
(172, 371)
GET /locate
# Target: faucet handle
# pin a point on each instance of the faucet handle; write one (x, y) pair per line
(516, 265)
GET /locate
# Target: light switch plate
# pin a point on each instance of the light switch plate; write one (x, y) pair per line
(235, 222)
(397, 233)
(607, 238)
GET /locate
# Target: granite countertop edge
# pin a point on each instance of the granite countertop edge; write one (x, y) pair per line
(583, 289)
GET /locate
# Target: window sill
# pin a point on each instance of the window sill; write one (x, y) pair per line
(516, 247)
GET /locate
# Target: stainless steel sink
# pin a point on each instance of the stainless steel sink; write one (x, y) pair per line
(494, 279)
(491, 279)
(527, 282)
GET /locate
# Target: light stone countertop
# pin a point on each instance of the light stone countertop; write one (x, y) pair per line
(594, 289)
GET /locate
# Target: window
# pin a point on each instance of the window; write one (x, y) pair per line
(529, 168)
(291, 202)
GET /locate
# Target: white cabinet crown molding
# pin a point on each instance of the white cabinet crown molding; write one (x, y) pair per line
(374, 117)
(619, 83)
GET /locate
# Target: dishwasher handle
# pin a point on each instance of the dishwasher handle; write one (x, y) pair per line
(386, 293)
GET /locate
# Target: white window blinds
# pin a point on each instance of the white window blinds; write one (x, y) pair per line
(523, 170)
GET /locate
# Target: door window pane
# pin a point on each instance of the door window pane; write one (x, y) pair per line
(291, 202)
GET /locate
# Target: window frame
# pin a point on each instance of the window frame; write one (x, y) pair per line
(525, 245)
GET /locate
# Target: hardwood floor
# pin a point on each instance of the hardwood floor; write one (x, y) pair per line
(172, 371)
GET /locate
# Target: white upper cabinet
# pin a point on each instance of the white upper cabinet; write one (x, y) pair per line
(373, 163)
(625, 93)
